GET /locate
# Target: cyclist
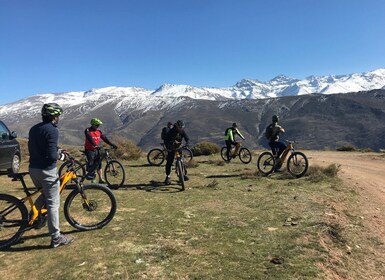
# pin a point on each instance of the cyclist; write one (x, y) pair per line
(43, 154)
(91, 147)
(173, 141)
(272, 134)
(229, 139)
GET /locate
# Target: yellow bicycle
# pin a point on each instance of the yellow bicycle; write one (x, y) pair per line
(86, 207)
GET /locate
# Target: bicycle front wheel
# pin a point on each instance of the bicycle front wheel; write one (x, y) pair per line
(91, 208)
(79, 169)
(13, 220)
(297, 164)
(180, 171)
(266, 163)
(114, 173)
(245, 155)
(155, 157)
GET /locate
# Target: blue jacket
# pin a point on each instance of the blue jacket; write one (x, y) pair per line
(42, 145)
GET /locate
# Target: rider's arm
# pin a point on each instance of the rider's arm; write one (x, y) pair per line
(240, 135)
(186, 138)
(105, 139)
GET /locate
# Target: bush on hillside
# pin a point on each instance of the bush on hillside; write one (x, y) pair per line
(347, 148)
(127, 150)
(205, 149)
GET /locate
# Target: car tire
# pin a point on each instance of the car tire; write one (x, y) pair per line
(15, 164)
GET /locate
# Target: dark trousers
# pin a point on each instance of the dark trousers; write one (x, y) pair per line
(93, 162)
(169, 161)
(228, 146)
(277, 147)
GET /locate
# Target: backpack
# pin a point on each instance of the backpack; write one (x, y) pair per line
(227, 129)
(164, 132)
(269, 132)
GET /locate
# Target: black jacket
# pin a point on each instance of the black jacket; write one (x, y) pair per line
(42, 145)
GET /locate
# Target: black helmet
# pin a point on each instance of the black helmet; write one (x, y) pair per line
(274, 118)
(51, 109)
(234, 124)
(180, 124)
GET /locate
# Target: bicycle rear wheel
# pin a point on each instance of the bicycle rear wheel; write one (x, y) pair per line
(13, 220)
(155, 157)
(245, 155)
(266, 163)
(91, 208)
(114, 173)
(297, 164)
(79, 169)
(187, 153)
(224, 153)
(181, 172)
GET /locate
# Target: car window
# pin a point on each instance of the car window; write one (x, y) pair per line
(3, 130)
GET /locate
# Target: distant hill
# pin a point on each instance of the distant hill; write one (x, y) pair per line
(316, 121)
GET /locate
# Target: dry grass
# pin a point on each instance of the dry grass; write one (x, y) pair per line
(230, 223)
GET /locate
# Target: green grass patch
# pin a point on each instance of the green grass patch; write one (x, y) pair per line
(229, 223)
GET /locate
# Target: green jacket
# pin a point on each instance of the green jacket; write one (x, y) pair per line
(231, 132)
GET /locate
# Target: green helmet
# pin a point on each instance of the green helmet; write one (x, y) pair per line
(51, 109)
(96, 121)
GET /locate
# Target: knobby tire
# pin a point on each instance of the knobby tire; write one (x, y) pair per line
(13, 220)
(156, 157)
(93, 208)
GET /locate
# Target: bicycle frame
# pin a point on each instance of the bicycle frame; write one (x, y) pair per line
(289, 148)
(64, 179)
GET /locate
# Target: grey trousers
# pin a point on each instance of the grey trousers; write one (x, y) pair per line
(48, 180)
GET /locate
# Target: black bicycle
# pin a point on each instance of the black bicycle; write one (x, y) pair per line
(114, 172)
(180, 167)
(157, 156)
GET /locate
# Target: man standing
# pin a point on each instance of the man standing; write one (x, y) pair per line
(43, 152)
(173, 141)
(91, 146)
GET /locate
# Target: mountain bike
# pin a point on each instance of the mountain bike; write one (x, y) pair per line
(243, 153)
(157, 156)
(114, 172)
(87, 207)
(180, 166)
(297, 163)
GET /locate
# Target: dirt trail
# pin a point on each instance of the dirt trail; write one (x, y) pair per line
(366, 172)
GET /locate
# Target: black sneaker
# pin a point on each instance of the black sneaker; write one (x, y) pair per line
(167, 181)
(186, 178)
(61, 240)
(90, 177)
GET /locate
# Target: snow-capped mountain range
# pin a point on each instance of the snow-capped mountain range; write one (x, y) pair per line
(169, 95)
(137, 113)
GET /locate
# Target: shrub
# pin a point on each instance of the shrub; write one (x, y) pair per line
(348, 148)
(205, 149)
(317, 173)
(127, 150)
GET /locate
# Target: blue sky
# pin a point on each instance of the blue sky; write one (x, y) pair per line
(58, 46)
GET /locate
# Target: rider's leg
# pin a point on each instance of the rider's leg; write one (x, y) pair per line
(50, 183)
(169, 161)
(228, 146)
